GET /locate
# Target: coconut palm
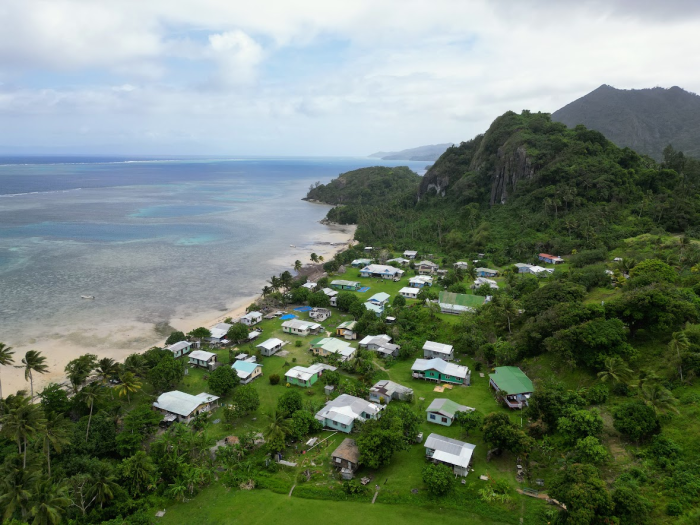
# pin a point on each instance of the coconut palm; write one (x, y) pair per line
(659, 398)
(278, 427)
(107, 368)
(506, 308)
(49, 503)
(16, 490)
(297, 265)
(33, 361)
(678, 343)
(615, 370)
(89, 394)
(22, 422)
(6, 354)
(56, 434)
(314, 258)
(320, 258)
(129, 383)
(103, 485)
(471, 272)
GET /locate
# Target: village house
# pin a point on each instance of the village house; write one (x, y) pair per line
(486, 272)
(368, 249)
(443, 411)
(384, 391)
(181, 407)
(309, 286)
(419, 281)
(451, 452)
(325, 346)
(382, 271)
(360, 263)
(306, 376)
(270, 347)
(247, 370)
(341, 412)
(251, 318)
(550, 259)
(303, 328)
(346, 458)
(438, 370)
(458, 303)
(427, 268)
(523, 267)
(410, 254)
(320, 314)
(481, 281)
(203, 358)
(409, 293)
(399, 260)
(180, 348)
(341, 284)
(373, 307)
(381, 344)
(432, 349)
(514, 385)
(218, 332)
(380, 299)
(461, 265)
(346, 330)
(540, 271)
(332, 295)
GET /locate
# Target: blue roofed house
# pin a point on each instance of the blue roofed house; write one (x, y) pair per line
(380, 299)
(486, 272)
(247, 371)
(342, 412)
(374, 307)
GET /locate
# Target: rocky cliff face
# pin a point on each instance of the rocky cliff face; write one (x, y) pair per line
(510, 168)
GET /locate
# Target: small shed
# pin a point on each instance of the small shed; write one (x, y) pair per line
(346, 457)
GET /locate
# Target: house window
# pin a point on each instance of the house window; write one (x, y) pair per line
(337, 460)
(444, 420)
(432, 416)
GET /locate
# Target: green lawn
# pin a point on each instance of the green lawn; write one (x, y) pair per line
(218, 505)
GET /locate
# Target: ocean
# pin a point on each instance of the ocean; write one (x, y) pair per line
(157, 241)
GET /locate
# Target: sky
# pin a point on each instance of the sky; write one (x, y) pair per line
(323, 77)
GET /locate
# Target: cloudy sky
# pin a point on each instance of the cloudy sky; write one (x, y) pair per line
(323, 77)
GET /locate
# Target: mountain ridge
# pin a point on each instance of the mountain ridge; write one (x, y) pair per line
(428, 153)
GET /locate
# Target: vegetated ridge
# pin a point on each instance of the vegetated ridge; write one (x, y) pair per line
(427, 153)
(646, 120)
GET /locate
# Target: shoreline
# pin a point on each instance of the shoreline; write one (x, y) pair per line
(59, 349)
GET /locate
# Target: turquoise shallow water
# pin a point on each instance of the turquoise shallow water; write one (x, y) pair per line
(151, 239)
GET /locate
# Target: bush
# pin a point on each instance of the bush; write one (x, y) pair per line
(223, 380)
(587, 257)
(354, 487)
(297, 343)
(175, 337)
(597, 394)
(438, 478)
(635, 419)
(274, 379)
(674, 508)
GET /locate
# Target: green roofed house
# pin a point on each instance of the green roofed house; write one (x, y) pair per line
(325, 346)
(457, 303)
(516, 385)
(340, 284)
(443, 411)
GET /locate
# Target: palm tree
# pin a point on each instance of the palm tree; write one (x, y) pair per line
(89, 394)
(16, 491)
(679, 341)
(278, 426)
(659, 398)
(23, 421)
(320, 258)
(33, 361)
(128, 384)
(471, 272)
(56, 434)
(6, 354)
(616, 370)
(314, 258)
(103, 485)
(297, 265)
(506, 307)
(107, 368)
(49, 503)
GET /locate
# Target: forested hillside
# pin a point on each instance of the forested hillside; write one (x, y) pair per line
(530, 184)
(646, 120)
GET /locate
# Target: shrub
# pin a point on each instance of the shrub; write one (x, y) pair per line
(674, 508)
(438, 478)
(635, 419)
(597, 394)
(297, 343)
(274, 379)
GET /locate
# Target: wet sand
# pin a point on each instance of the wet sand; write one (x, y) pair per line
(120, 338)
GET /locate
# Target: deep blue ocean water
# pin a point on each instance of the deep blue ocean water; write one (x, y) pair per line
(152, 239)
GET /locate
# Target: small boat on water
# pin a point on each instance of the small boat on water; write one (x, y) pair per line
(87, 296)
(292, 246)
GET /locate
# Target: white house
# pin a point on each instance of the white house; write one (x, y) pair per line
(380, 270)
(218, 332)
(523, 267)
(247, 370)
(302, 328)
(410, 254)
(409, 293)
(451, 452)
(432, 349)
(203, 358)
(270, 347)
(373, 307)
(325, 346)
(381, 344)
(332, 295)
(461, 265)
(180, 348)
(399, 260)
(179, 406)
(427, 268)
(440, 371)
(384, 391)
(541, 271)
(480, 281)
(320, 314)
(419, 281)
(342, 412)
(360, 263)
(251, 318)
(380, 299)
(309, 286)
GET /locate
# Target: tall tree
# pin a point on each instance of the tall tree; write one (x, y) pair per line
(16, 489)
(129, 383)
(49, 503)
(79, 369)
(56, 434)
(22, 422)
(32, 362)
(107, 368)
(89, 394)
(659, 398)
(6, 359)
(314, 258)
(678, 343)
(297, 265)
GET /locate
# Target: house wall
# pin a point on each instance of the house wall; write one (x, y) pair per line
(344, 463)
(299, 382)
(337, 426)
(429, 354)
(434, 417)
(294, 331)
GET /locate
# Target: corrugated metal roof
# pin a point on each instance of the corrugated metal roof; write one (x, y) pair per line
(179, 346)
(451, 451)
(447, 407)
(512, 380)
(202, 355)
(182, 404)
(441, 366)
(270, 343)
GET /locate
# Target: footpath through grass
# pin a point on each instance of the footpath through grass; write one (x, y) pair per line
(219, 505)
